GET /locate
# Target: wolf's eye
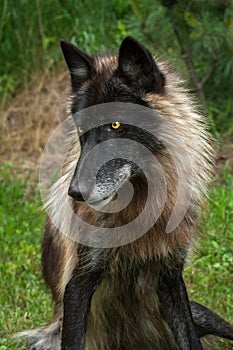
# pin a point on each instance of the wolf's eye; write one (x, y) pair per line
(80, 130)
(116, 125)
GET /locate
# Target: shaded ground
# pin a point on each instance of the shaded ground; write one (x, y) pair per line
(28, 120)
(225, 154)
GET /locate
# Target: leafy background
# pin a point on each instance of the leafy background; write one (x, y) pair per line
(197, 38)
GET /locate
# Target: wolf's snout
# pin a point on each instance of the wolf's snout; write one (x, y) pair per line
(76, 193)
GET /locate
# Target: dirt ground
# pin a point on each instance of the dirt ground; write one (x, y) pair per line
(29, 119)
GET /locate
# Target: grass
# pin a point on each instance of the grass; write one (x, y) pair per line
(29, 34)
(23, 297)
(210, 272)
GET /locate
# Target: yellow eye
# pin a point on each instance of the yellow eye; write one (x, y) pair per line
(116, 125)
(80, 130)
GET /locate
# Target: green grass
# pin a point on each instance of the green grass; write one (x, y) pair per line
(23, 297)
(210, 272)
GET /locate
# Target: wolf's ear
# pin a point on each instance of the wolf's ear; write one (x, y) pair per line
(79, 64)
(137, 65)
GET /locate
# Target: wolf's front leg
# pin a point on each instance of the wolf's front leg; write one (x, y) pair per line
(176, 310)
(77, 300)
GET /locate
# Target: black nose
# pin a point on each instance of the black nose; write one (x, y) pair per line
(76, 193)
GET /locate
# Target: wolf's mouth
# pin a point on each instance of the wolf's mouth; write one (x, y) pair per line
(101, 202)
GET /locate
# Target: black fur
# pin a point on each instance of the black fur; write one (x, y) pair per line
(77, 300)
(208, 323)
(179, 323)
(137, 67)
(138, 74)
(176, 309)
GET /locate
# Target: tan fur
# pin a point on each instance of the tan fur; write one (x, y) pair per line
(111, 306)
(179, 109)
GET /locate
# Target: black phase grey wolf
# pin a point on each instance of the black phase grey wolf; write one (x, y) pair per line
(128, 296)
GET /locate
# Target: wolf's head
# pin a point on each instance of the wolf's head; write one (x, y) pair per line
(104, 166)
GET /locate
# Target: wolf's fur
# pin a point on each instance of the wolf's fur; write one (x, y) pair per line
(125, 309)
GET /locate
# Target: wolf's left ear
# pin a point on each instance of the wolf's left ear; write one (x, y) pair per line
(137, 65)
(79, 64)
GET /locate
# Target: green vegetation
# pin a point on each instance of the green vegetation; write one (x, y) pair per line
(199, 33)
(197, 37)
(210, 272)
(24, 301)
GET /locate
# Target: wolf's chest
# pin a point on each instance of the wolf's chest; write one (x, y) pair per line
(125, 314)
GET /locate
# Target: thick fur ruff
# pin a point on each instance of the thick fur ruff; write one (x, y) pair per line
(125, 312)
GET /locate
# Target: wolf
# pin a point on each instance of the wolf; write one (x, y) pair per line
(126, 294)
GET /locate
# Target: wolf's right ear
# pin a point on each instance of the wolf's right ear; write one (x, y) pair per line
(79, 64)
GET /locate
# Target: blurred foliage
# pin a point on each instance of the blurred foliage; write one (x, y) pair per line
(200, 32)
